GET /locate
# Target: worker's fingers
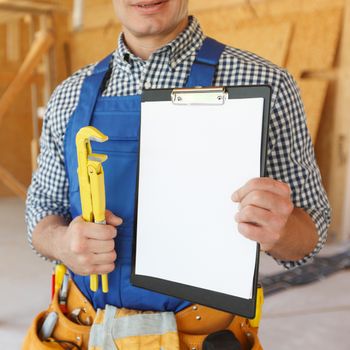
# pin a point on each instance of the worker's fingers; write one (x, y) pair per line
(94, 269)
(97, 246)
(261, 217)
(112, 219)
(266, 238)
(269, 201)
(104, 258)
(102, 269)
(262, 184)
(253, 232)
(92, 230)
(86, 264)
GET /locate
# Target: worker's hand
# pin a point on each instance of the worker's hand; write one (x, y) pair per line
(88, 248)
(265, 207)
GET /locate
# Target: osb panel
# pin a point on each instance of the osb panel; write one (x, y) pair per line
(315, 41)
(237, 26)
(83, 53)
(200, 5)
(275, 8)
(313, 94)
(221, 19)
(270, 42)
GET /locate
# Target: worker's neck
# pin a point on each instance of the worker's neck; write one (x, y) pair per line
(144, 46)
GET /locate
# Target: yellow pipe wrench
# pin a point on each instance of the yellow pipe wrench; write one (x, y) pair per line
(92, 186)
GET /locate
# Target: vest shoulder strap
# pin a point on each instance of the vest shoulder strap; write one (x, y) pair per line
(204, 67)
(90, 91)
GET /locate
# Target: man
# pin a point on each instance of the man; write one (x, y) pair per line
(287, 212)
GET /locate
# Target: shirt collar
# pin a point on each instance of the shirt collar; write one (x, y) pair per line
(176, 51)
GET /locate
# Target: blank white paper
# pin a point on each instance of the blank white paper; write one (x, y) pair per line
(192, 158)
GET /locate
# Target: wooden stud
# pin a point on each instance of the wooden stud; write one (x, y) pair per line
(42, 43)
(12, 41)
(26, 6)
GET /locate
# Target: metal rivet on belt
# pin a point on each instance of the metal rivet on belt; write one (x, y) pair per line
(194, 307)
(78, 338)
(198, 318)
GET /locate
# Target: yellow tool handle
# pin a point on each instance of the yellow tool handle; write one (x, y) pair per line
(104, 278)
(94, 282)
(60, 271)
(98, 199)
(258, 309)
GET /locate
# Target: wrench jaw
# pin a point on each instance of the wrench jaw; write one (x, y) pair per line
(91, 183)
(97, 157)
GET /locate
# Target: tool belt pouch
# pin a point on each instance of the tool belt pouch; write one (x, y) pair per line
(66, 332)
(196, 322)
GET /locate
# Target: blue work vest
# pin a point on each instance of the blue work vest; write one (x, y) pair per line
(119, 118)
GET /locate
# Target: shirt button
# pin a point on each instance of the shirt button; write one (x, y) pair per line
(148, 85)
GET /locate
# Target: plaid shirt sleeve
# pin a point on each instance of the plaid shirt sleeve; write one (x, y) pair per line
(291, 159)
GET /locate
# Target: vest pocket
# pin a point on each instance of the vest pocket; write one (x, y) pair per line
(114, 147)
(122, 129)
(118, 125)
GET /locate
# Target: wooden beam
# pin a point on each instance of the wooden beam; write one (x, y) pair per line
(9, 16)
(12, 183)
(13, 41)
(41, 45)
(26, 6)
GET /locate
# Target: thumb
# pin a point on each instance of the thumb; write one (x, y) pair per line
(112, 219)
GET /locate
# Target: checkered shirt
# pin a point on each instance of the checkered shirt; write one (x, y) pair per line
(290, 156)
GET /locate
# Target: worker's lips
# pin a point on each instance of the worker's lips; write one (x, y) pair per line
(150, 7)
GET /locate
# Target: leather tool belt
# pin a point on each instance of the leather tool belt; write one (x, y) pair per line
(194, 324)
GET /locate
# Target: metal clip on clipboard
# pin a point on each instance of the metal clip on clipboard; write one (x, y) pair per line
(199, 96)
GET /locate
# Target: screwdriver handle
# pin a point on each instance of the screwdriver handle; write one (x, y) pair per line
(104, 278)
(94, 282)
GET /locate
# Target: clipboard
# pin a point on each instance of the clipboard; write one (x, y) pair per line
(186, 242)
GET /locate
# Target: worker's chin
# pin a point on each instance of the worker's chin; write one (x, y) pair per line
(149, 29)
